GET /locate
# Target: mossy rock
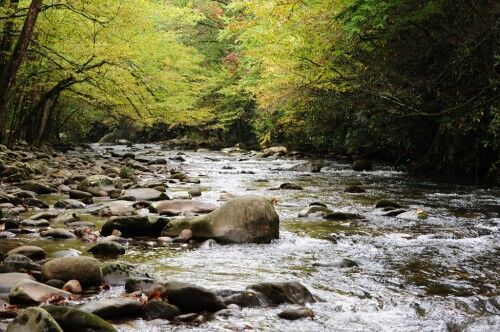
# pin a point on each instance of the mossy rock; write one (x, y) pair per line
(76, 320)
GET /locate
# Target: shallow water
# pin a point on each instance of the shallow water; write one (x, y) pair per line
(438, 274)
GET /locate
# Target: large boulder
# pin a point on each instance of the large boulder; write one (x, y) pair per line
(18, 263)
(34, 320)
(191, 298)
(181, 206)
(115, 273)
(32, 252)
(86, 270)
(107, 249)
(33, 292)
(245, 219)
(362, 165)
(279, 292)
(76, 320)
(10, 280)
(97, 185)
(135, 226)
(158, 309)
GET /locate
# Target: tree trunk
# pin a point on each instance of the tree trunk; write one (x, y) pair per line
(9, 74)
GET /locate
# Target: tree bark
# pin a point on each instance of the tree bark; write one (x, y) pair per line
(9, 74)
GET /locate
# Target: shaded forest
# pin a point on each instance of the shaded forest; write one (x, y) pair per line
(412, 82)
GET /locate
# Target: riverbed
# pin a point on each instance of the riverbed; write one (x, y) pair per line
(435, 274)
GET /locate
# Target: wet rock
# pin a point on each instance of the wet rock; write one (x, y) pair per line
(191, 318)
(115, 273)
(393, 213)
(72, 286)
(141, 284)
(362, 165)
(34, 320)
(181, 206)
(7, 235)
(86, 270)
(36, 187)
(290, 186)
(69, 204)
(413, 215)
(32, 252)
(34, 202)
(275, 150)
(107, 249)
(339, 216)
(18, 263)
(159, 161)
(35, 223)
(135, 226)
(209, 244)
(354, 189)
(344, 263)
(45, 215)
(158, 309)
(65, 253)
(58, 233)
(117, 208)
(33, 292)
(244, 299)
(242, 220)
(76, 320)
(191, 298)
(9, 280)
(118, 308)
(78, 194)
(280, 292)
(195, 192)
(144, 194)
(314, 209)
(97, 185)
(383, 203)
(296, 313)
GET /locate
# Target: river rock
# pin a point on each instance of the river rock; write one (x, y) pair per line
(135, 226)
(32, 252)
(385, 203)
(181, 206)
(18, 263)
(107, 249)
(191, 298)
(290, 186)
(115, 273)
(244, 299)
(35, 223)
(340, 216)
(78, 194)
(33, 292)
(118, 308)
(416, 215)
(76, 320)
(9, 280)
(159, 309)
(118, 208)
(242, 220)
(275, 150)
(280, 292)
(58, 233)
(362, 165)
(36, 187)
(69, 204)
(296, 313)
(354, 189)
(34, 320)
(86, 270)
(97, 185)
(144, 194)
(314, 209)
(142, 284)
(195, 192)
(72, 286)
(45, 215)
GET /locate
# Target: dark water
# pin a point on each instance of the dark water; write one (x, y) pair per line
(438, 274)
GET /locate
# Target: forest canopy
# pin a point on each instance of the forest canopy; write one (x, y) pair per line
(410, 81)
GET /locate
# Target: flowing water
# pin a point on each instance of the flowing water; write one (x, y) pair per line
(437, 274)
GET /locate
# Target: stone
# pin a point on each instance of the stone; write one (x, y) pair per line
(383, 203)
(69, 204)
(314, 209)
(354, 189)
(72, 286)
(159, 309)
(195, 192)
(290, 186)
(144, 194)
(141, 284)
(191, 298)
(340, 216)
(115, 273)
(186, 234)
(78, 194)
(55, 283)
(86, 270)
(34, 320)
(33, 292)
(416, 215)
(181, 206)
(117, 308)
(35, 223)
(158, 161)
(58, 233)
(296, 313)
(118, 208)
(97, 185)
(18, 263)
(279, 292)
(135, 226)
(246, 219)
(362, 165)
(9, 280)
(244, 299)
(76, 320)
(275, 150)
(36, 187)
(107, 249)
(32, 252)
(45, 215)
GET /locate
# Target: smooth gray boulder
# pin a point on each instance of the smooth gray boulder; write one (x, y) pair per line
(33, 292)
(245, 219)
(181, 206)
(32, 252)
(86, 270)
(9, 280)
